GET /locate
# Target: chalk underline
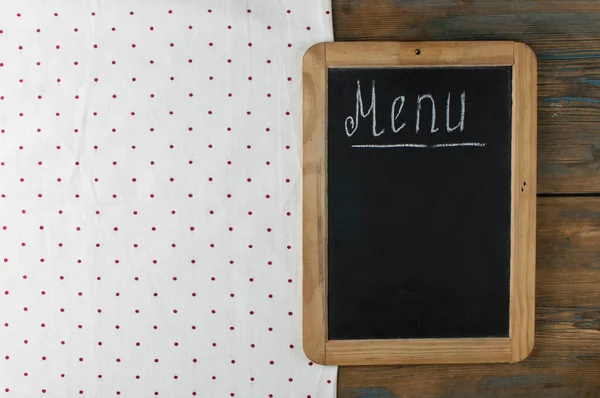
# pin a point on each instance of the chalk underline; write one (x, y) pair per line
(452, 145)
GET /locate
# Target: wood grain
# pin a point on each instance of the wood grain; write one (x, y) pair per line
(314, 220)
(395, 54)
(564, 34)
(524, 182)
(566, 359)
(419, 351)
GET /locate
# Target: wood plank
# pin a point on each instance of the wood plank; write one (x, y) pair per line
(523, 208)
(566, 359)
(566, 38)
(314, 293)
(394, 54)
(419, 351)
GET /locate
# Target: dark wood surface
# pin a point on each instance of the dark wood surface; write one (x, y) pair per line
(566, 38)
(565, 34)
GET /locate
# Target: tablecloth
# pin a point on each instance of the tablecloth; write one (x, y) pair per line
(150, 198)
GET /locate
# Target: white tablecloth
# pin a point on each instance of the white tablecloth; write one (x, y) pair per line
(150, 208)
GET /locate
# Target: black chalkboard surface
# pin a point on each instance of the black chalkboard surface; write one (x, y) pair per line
(418, 202)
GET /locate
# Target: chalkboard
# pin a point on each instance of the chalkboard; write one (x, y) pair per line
(419, 200)
(419, 195)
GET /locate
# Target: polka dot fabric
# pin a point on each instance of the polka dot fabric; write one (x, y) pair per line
(150, 207)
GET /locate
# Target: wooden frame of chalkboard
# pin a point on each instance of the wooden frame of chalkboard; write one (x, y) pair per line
(519, 343)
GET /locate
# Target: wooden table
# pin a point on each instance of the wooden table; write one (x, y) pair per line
(566, 38)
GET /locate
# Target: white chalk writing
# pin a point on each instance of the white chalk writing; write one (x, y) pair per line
(395, 115)
(360, 111)
(424, 102)
(419, 100)
(450, 145)
(461, 124)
